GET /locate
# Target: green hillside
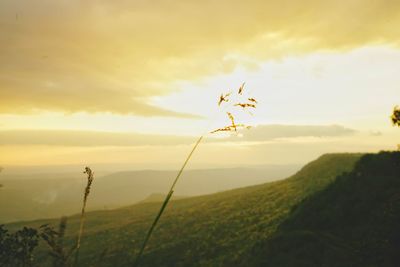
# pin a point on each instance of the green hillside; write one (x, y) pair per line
(211, 230)
(353, 222)
(51, 195)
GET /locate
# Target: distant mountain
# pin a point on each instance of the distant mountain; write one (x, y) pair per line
(44, 195)
(219, 229)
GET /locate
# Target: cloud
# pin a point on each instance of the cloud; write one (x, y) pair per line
(77, 98)
(271, 132)
(94, 138)
(375, 133)
(87, 138)
(113, 56)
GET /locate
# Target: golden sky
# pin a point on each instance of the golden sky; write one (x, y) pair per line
(84, 80)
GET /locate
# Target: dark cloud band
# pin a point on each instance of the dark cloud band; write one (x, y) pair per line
(92, 138)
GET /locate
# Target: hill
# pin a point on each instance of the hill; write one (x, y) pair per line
(212, 230)
(37, 195)
(159, 198)
(353, 222)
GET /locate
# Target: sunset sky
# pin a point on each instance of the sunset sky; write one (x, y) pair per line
(136, 82)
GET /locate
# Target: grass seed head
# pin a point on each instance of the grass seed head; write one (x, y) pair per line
(240, 92)
(396, 116)
(90, 177)
(247, 103)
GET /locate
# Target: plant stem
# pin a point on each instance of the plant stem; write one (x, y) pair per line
(78, 243)
(164, 205)
(90, 177)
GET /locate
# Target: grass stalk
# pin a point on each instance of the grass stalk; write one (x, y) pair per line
(233, 127)
(165, 203)
(90, 178)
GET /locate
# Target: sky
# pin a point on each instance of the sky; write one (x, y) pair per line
(136, 82)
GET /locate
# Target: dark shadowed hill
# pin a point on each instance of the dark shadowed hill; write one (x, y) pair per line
(353, 222)
(212, 230)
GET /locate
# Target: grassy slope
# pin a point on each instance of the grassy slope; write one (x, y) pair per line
(210, 230)
(353, 222)
(35, 196)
